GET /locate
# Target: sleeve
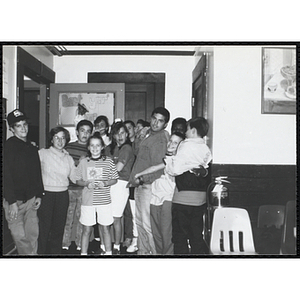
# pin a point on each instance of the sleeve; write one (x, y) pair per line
(40, 185)
(8, 163)
(183, 160)
(72, 175)
(157, 154)
(125, 154)
(113, 173)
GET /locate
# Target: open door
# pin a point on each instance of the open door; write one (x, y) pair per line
(199, 97)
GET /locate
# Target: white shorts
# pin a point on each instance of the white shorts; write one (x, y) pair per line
(119, 195)
(103, 212)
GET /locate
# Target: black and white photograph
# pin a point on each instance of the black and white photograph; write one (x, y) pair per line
(148, 150)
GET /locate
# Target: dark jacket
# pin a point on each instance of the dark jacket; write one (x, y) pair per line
(22, 176)
(190, 182)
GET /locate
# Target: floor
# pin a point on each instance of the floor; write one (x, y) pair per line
(93, 250)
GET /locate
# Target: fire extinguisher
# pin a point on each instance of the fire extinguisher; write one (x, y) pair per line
(217, 197)
(219, 194)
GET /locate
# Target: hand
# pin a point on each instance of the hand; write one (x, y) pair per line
(13, 211)
(100, 185)
(90, 185)
(137, 175)
(201, 171)
(37, 203)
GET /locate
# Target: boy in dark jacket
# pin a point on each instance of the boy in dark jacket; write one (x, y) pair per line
(23, 185)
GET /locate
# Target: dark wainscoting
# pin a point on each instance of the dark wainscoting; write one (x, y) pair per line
(255, 185)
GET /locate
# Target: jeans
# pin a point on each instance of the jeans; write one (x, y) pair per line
(73, 226)
(24, 229)
(161, 225)
(52, 219)
(145, 238)
(187, 223)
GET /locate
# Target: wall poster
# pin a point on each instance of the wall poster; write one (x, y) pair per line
(279, 80)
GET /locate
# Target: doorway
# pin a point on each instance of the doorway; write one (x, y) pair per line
(143, 91)
(33, 82)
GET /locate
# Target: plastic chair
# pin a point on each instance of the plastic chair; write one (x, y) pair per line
(270, 215)
(288, 243)
(231, 232)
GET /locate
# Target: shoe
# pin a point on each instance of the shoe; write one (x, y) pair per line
(98, 251)
(132, 248)
(116, 252)
(126, 243)
(65, 248)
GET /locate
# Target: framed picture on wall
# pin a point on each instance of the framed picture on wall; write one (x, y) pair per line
(279, 80)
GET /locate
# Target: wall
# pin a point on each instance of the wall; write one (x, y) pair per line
(74, 69)
(10, 63)
(9, 79)
(241, 134)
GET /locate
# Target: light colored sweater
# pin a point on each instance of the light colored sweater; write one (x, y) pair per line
(57, 167)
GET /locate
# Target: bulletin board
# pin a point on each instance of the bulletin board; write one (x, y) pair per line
(95, 103)
(98, 98)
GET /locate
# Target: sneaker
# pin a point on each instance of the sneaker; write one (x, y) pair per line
(116, 252)
(126, 243)
(132, 248)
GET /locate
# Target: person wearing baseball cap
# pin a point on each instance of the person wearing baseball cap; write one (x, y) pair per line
(23, 185)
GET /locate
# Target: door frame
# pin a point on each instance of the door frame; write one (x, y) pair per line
(199, 78)
(28, 65)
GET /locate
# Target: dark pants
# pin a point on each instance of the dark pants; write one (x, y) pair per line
(187, 224)
(128, 225)
(52, 219)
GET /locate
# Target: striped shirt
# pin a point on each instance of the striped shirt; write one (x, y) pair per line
(95, 171)
(76, 150)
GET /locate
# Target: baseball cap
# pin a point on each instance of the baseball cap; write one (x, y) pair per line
(15, 116)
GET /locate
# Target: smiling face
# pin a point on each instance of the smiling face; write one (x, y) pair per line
(59, 141)
(20, 130)
(121, 137)
(95, 147)
(157, 122)
(130, 129)
(84, 134)
(173, 144)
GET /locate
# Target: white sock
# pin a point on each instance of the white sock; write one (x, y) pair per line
(83, 253)
(108, 253)
(117, 246)
(102, 247)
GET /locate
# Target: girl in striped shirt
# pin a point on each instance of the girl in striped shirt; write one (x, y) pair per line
(96, 173)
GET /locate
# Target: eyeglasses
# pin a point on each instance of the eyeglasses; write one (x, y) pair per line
(57, 138)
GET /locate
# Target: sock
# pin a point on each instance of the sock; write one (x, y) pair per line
(83, 253)
(117, 246)
(102, 247)
(97, 239)
(108, 253)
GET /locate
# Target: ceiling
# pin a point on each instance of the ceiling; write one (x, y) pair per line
(146, 49)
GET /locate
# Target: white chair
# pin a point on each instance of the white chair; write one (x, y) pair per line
(231, 232)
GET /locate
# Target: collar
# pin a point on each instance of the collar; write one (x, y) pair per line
(57, 152)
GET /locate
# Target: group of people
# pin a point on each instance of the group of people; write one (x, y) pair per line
(155, 180)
